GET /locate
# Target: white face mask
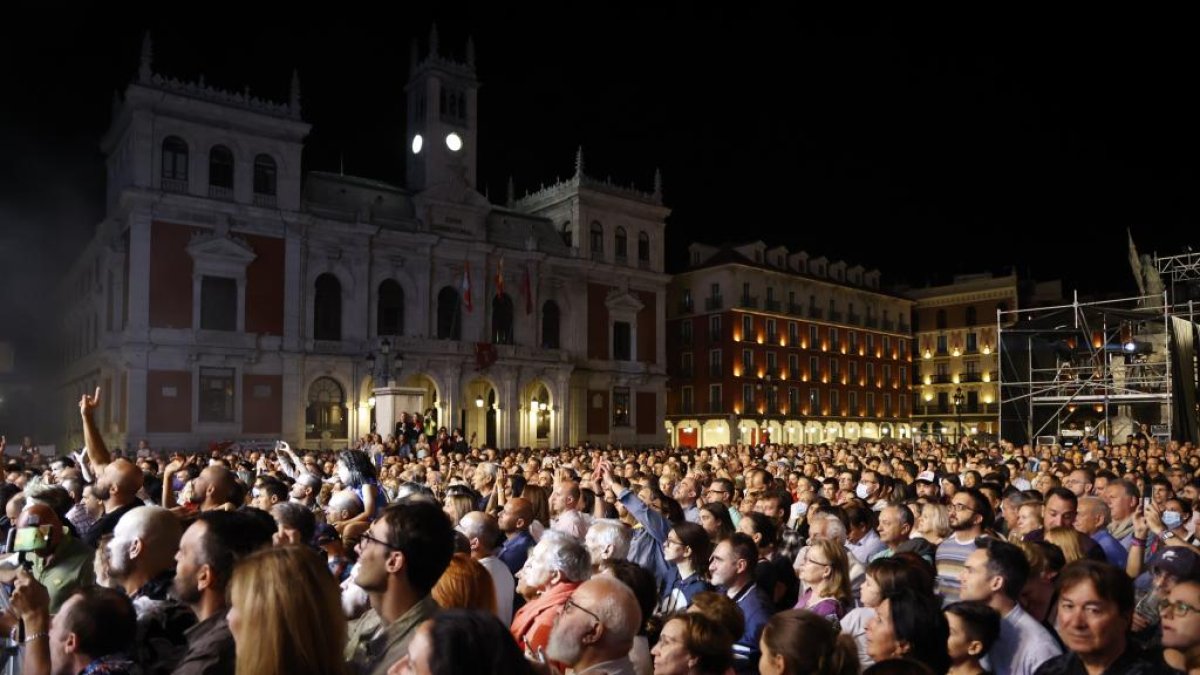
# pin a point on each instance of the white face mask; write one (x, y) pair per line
(862, 491)
(1172, 519)
(800, 508)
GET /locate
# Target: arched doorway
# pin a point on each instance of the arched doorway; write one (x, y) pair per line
(482, 413)
(537, 417)
(325, 416)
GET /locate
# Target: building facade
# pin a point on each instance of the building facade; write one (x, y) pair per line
(764, 344)
(956, 394)
(229, 295)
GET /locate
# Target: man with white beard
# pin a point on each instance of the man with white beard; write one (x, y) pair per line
(594, 632)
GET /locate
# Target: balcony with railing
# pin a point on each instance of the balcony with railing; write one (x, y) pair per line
(714, 302)
(686, 306)
(889, 325)
(174, 185)
(795, 309)
(854, 319)
(772, 305)
(836, 317)
(748, 301)
(267, 201)
(814, 312)
(220, 192)
(941, 378)
(904, 327)
(972, 377)
(871, 322)
(772, 338)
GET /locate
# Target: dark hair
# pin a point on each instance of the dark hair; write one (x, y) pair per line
(103, 622)
(422, 531)
(895, 572)
(1007, 561)
(696, 538)
(1130, 489)
(706, 639)
(1063, 494)
(228, 536)
(744, 548)
(859, 515)
(982, 506)
(718, 511)
(1111, 583)
(492, 649)
(899, 667)
(722, 609)
(980, 621)
(273, 487)
(809, 643)
(764, 527)
(918, 620)
(297, 517)
(639, 580)
(360, 467)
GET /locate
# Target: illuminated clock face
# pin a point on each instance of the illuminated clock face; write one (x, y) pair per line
(454, 142)
(417, 143)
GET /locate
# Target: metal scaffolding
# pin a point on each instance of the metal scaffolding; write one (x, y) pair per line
(1086, 365)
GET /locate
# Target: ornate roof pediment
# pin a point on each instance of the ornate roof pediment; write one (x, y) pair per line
(620, 300)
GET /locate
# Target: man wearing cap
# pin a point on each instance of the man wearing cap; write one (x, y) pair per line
(927, 485)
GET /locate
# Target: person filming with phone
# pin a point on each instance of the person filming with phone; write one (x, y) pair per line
(57, 560)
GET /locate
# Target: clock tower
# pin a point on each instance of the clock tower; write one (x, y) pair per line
(442, 96)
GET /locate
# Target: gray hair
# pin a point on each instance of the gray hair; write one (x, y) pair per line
(1099, 506)
(56, 497)
(566, 554)
(346, 500)
(608, 532)
(834, 529)
(310, 480)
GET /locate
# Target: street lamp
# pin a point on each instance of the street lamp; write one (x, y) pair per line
(958, 401)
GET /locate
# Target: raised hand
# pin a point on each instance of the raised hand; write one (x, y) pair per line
(88, 404)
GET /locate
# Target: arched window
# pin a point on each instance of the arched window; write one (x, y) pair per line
(327, 308)
(502, 319)
(389, 319)
(622, 244)
(971, 318)
(597, 239)
(220, 168)
(449, 316)
(941, 319)
(325, 416)
(643, 247)
(550, 324)
(264, 175)
(566, 233)
(175, 159)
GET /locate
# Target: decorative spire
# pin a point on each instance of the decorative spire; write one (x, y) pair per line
(433, 40)
(470, 51)
(145, 72)
(579, 162)
(511, 193)
(294, 101)
(658, 184)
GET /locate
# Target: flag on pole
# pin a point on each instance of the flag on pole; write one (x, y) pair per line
(466, 285)
(500, 277)
(527, 291)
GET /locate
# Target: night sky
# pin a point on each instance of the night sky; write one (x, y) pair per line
(924, 146)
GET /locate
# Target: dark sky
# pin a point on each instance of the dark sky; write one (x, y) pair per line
(924, 146)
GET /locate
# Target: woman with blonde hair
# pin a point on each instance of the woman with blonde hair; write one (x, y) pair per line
(1067, 539)
(285, 614)
(933, 524)
(457, 505)
(826, 574)
(466, 584)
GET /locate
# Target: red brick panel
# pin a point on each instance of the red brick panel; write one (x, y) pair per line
(647, 412)
(597, 325)
(262, 404)
(170, 275)
(169, 401)
(264, 286)
(647, 347)
(597, 411)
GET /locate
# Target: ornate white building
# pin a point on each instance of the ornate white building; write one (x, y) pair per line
(228, 295)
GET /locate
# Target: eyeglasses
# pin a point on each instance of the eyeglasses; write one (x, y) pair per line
(816, 562)
(674, 542)
(1178, 608)
(570, 603)
(366, 537)
(961, 507)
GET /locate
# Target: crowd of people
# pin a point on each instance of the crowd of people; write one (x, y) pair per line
(399, 556)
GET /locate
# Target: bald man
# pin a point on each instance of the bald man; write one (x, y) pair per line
(63, 566)
(118, 484)
(215, 486)
(595, 630)
(514, 522)
(564, 510)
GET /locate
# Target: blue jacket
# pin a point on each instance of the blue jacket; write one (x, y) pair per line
(756, 610)
(516, 550)
(646, 546)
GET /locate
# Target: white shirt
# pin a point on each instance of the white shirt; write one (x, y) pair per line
(505, 586)
(866, 547)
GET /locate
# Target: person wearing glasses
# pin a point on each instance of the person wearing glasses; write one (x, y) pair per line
(1181, 624)
(721, 491)
(400, 558)
(970, 514)
(595, 628)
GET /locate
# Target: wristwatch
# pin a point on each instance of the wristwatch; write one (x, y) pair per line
(1167, 535)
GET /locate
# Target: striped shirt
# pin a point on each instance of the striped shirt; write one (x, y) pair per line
(951, 558)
